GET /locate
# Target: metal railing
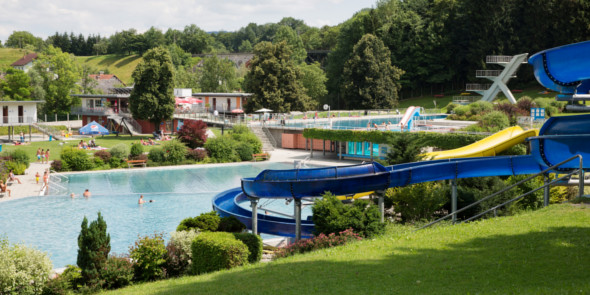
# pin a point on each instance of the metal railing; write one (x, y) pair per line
(269, 136)
(498, 58)
(17, 120)
(61, 177)
(94, 110)
(579, 171)
(466, 99)
(62, 190)
(477, 87)
(48, 129)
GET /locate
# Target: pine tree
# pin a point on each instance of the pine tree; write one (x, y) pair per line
(94, 245)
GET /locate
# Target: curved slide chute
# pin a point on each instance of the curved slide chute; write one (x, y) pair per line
(406, 122)
(564, 69)
(489, 146)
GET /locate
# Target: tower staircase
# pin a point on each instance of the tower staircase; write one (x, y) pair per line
(499, 77)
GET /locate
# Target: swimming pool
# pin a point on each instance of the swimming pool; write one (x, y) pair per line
(52, 223)
(351, 123)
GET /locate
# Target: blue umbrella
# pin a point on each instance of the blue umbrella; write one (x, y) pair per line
(93, 128)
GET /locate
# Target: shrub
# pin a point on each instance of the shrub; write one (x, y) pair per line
(319, 242)
(244, 135)
(495, 121)
(56, 165)
(419, 201)
(217, 250)
(117, 273)
(94, 245)
(156, 155)
(136, 150)
(179, 254)
(75, 159)
(64, 283)
(450, 107)
(222, 149)
(193, 133)
(330, 215)
(525, 103)
(206, 222)
(480, 107)
(174, 151)
(198, 154)
(231, 224)
(404, 149)
(120, 151)
(254, 244)
(97, 162)
(16, 167)
(149, 255)
(20, 156)
(105, 156)
(115, 162)
(461, 110)
(23, 270)
(244, 151)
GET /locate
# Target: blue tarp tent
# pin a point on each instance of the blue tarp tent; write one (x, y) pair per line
(93, 128)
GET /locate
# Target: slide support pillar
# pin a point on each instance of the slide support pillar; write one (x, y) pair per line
(546, 191)
(297, 219)
(581, 179)
(381, 203)
(340, 150)
(324, 147)
(254, 205)
(454, 199)
(311, 148)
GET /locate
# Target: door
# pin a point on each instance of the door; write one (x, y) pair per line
(214, 103)
(20, 114)
(5, 114)
(228, 104)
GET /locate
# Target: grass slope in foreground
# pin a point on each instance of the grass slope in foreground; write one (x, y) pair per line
(541, 252)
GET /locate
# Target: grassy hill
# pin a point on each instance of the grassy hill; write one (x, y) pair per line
(120, 65)
(10, 55)
(541, 252)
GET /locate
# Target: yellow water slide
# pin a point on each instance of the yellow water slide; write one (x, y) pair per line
(489, 146)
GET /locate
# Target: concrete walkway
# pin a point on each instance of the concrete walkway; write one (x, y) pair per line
(28, 186)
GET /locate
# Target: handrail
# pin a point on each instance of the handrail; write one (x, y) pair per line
(53, 183)
(53, 172)
(581, 186)
(269, 135)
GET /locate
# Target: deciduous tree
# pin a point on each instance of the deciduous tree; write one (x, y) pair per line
(16, 85)
(218, 75)
(152, 98)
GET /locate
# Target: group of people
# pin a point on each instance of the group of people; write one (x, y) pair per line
(43, 155)
(86, 194)
(4, 186)
(83, 145)
(381, 126)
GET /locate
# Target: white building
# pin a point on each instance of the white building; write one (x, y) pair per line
(19, 112)
(25, 63)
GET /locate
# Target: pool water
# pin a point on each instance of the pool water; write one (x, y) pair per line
(354, 123)
(52, 223)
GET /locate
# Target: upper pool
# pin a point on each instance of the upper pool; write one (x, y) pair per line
(351, 123)
(52, 223)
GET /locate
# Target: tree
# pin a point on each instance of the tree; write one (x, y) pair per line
(314, 81)
(154, 38)
(246, 46)
(152, 98)
(16, 85)
(87, 84)
(369, 79)
(274, 80)
(20, 39)
(60, 73)
(288, 35)
(193, 133)
(179, 57)
(194, 40)
(218, 75)
(186, 78)
(94, 245)
(404, 149)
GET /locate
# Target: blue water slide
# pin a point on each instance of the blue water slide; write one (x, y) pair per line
(564, 69)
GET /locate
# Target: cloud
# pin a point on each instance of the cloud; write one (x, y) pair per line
(43, 17)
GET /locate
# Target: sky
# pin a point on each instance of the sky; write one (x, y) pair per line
(43, 18)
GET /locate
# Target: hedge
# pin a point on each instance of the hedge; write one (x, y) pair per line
(254, 244)
(443, 141)
(214, 251)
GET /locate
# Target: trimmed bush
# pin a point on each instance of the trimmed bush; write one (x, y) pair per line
(495, 121)
(244, 151)
(254, 244)
(23, 270)
(115, 162)
(57, 165)
(198, 154)
(319, 242)
(241, 133)
(214, 251)
(174, 151)
(206, 222)
(136, 150)
(231, 224)
(120, 151)
(179, 254)
(330, 215)
(156, 155)
(149, 255)
(75, 159)
(222, 149)
(117, 273)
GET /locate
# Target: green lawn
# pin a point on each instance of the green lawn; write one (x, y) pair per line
(10, 55)
(542, 252)
(120, 65)
(55, 147)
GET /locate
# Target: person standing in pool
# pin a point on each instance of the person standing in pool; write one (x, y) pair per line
(86, 194)
(141, 200)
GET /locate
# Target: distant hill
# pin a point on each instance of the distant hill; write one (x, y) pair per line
(10, 55)
(120, 65)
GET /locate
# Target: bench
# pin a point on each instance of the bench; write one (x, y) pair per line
(439, 95)
(260, 157)
(136, 163)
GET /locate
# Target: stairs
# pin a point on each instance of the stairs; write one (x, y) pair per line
(48, 130)
(266, 139)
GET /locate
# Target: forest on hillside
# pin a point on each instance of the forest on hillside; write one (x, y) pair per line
(438, 44)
